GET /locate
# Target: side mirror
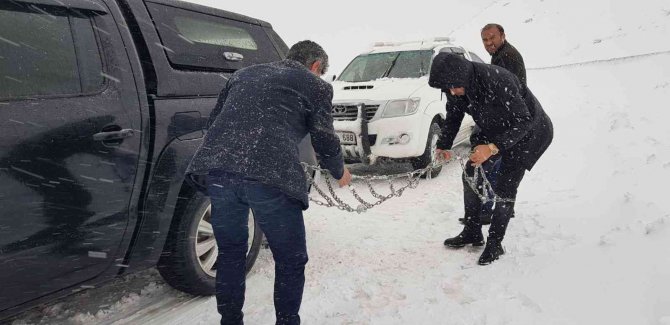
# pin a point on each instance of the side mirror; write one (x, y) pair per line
(330, 78)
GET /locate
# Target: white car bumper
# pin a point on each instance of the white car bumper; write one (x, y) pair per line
(396, 137)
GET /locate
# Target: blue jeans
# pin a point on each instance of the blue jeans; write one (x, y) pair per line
(280, 218)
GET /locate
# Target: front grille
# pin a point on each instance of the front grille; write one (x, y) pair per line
(349, 112)
(345, 112)
(370, 111)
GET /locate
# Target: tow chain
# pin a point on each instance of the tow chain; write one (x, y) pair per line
(408, 180)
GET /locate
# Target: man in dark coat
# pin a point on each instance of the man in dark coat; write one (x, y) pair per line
(250, 157)
(513, 125)
(504, 55)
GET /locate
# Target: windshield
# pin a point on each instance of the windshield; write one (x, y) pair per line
(405, 64)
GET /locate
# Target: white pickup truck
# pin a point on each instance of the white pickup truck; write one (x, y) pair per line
(383, 106)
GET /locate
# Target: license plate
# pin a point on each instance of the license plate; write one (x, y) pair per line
(347, 137)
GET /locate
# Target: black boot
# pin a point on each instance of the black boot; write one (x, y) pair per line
(469, 235)
(492, 251)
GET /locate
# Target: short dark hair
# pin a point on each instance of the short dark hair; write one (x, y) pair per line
(500, 28)
(307, 52)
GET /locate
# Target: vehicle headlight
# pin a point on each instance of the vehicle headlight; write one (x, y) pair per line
(401, 107)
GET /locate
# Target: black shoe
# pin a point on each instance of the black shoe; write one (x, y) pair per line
(492, 252)
(467, 236)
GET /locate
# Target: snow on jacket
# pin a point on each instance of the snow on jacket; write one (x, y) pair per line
(507, 112)
(262, 114)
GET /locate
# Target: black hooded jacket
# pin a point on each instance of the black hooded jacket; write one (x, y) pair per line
(507, 113)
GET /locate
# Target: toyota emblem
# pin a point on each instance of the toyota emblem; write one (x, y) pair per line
(339, 109)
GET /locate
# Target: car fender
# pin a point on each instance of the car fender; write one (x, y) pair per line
(433, 110)
(160, 202)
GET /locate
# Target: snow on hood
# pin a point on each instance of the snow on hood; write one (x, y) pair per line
(383, 89)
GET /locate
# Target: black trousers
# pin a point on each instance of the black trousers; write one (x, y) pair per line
(508, 178)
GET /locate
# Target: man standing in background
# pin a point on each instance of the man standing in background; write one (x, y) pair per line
(503, 54)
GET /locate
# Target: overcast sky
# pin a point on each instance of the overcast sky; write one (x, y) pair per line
(346, 27)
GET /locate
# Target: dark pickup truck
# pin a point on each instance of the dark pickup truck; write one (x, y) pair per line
(102, 105)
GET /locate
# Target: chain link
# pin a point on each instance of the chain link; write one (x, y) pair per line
(410, 180)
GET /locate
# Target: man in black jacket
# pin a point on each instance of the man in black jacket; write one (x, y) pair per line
(504, 55)
(513, 125)
(250, 157)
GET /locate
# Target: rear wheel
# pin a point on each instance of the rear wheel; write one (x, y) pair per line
(428, 156)
(188, 262)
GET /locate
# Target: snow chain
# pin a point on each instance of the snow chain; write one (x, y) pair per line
(407, 180)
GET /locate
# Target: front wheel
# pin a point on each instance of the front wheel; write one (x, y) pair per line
(188, 262)
(428, 156)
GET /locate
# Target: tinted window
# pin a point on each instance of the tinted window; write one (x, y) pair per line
(193, 40)
(206, 32)
(44, 51)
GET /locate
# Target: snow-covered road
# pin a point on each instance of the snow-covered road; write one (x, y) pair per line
(590, 243)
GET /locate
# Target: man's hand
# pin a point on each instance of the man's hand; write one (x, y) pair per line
(443, 154)
(480, 154)
(346, 178)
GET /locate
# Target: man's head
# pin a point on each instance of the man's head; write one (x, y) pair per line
(451, 73)
(311, 55)
(493, 37)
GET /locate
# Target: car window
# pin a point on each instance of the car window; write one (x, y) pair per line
(46, 51)
(198, 41)
(368, 67)
(402, 64)
(206, 32)
(411, 64)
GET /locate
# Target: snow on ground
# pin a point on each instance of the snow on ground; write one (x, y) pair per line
(590, 243)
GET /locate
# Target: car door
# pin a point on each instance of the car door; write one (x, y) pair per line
(69, 145)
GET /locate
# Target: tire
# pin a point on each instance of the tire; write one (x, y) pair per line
(428, 156)
(192, 271)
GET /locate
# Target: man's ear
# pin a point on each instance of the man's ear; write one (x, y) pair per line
(316, 67)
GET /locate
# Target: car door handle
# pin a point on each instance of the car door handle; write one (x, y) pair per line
(114, 135)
